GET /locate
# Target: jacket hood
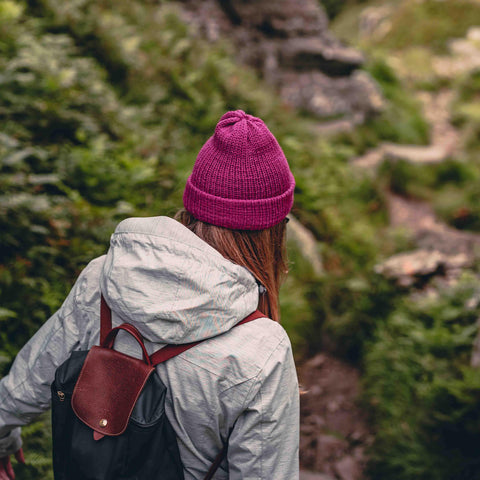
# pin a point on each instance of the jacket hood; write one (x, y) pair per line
(170, 284)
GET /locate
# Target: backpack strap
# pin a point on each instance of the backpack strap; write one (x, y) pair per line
(164, 354)
(216, 463)
(105, 319)
(170, 351)
(167, 352)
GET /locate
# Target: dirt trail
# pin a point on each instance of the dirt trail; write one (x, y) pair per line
(334, 430)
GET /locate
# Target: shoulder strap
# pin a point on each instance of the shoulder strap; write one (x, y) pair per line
(170, 351)
(216, 463)
(105, 320)
(167, 352)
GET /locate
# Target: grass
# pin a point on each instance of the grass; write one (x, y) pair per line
(410, 23)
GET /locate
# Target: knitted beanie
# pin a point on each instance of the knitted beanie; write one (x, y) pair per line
(241, 179)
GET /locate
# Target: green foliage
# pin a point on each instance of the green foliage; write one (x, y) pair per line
(60, 118)
(347, 312)
(37, 445)
(416, 180)
(410, 23)
(429, 22)
(402, 120)
(422, 390)
(466, 109)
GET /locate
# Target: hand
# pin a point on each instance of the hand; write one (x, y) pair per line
(6, 469)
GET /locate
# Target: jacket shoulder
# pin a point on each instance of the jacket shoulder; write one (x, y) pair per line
(242, 353)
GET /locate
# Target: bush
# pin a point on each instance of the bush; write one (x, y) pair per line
(422, 391)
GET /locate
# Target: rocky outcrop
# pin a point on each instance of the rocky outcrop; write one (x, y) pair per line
(443, 252)
(289, 43)
(416, 267)
(430, 232)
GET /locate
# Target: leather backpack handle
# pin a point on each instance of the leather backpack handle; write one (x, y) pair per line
(110, 339)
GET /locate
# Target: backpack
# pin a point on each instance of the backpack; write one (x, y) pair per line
(108, 412)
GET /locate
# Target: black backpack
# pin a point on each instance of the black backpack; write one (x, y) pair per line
(108, 413)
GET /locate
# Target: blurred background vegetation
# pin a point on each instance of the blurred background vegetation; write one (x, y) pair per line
(104, 106)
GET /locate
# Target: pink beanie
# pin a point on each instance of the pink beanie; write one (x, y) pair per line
(241, 179)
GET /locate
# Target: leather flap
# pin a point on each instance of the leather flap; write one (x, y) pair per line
(107, 389)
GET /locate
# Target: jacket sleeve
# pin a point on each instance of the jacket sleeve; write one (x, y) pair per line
(264, 442)
(25, 391)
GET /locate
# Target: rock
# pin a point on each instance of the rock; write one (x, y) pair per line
(316, 362)
(311, 53)
(334, 127)
(348, 469)
(313, 422)
(419, 262)
(418, 154)
(289, 43)
(370, 160)
(307, 244)
(316, 390)
(374, 21)
(473, 35)
(319, 421)
(335, 410)
(407, 268)
(429, 232)
(359, 454)
(307, 429)
(356, 435)
(329, 447)
(333, 406)
(304, 475)
(354, 97)
(464, 56)
(280, 18)
(415, 153)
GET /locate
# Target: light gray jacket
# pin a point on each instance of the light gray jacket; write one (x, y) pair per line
(239, 386)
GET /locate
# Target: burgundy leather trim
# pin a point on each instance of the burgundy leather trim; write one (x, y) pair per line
(108, 387)
(110, 339)
(105, 319)
(110, 382)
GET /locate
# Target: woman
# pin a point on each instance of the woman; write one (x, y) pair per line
(190, 279)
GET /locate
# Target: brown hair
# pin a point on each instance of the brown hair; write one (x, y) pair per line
(262, 252)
